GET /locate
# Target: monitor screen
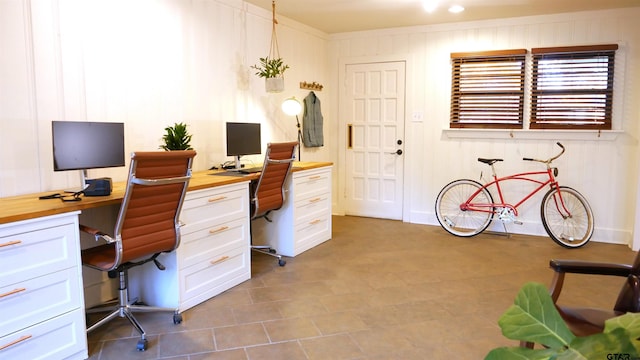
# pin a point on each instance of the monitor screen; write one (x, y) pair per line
(243, 139)
(79, 145)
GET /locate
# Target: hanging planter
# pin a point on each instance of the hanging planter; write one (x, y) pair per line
(274, 85)
(272, 71)
(272, 67)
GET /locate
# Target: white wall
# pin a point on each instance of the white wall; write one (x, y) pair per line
(604, 169)
(149, 64)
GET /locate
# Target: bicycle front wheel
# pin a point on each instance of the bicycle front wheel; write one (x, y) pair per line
(461, 222)
(567, 217)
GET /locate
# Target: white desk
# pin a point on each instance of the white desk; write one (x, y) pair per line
(41, 294)
(304, 221)
(41, 287)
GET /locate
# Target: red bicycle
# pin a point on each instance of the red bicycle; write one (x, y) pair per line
(466, 208)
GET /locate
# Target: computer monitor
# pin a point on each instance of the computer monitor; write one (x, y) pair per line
(243, 139)
(82, 145)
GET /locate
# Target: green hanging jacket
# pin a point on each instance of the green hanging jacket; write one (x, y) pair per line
(312, 135)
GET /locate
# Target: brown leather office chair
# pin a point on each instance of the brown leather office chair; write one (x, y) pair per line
(268, 194)
(584, 321)
(147, 225)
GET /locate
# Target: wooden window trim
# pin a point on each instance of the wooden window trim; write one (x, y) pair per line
(486, 54)
(574, 49)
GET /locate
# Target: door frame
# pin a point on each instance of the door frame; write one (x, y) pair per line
(342, 125)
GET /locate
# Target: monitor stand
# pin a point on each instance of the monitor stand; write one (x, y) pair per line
(83, 182)
(236, 166)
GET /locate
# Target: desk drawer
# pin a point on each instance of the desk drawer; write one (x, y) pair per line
(306, 209)
(311, 183)
(204, 207)
(205, 244)
(214, 275)
(38, 252)
(38, 299)
(57, 338)
(311, 233)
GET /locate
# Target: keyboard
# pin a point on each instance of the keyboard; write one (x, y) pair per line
(250, 170)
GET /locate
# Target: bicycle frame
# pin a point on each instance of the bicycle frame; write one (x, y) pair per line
(526, 176)
(494, 207)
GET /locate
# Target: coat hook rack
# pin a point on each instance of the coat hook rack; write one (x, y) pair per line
(311, 86)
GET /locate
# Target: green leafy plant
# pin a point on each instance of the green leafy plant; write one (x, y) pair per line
(176, 138)
(270, 68)
(534, 318)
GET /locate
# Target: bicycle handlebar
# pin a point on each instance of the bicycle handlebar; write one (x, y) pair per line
(550, 159)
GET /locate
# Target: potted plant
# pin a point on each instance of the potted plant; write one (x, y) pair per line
(272, 69)
(176, 138)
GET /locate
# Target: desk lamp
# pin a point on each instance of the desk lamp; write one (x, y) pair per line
(291, 106)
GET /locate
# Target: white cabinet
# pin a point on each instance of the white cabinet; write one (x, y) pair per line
(304, 221)
(213, 255)
(41, 294)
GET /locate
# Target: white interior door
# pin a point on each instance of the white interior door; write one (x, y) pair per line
(374, 117)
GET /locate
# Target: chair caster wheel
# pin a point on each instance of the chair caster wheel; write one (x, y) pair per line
(177, 318)
(142, 345)
(282, 262)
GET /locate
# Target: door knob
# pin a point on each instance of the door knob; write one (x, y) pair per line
(398, 152)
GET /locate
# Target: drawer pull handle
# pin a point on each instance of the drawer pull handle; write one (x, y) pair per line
(315, 177)
(224, 258)
(15, 242)
(12, 292)
(219, 198)
(315, 222)
(23, 338)
(315, 200)
(219, 230)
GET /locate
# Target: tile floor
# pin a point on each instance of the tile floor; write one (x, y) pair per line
(378, 289)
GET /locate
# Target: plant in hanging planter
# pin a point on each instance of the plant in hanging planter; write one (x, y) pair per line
(272, 69)
(176, 137)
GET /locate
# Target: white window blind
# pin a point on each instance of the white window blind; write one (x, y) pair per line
(572, 87)
(488, 89)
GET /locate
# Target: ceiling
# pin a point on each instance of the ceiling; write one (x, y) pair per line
(334, 16)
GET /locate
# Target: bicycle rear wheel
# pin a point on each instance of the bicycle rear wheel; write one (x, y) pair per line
(460, 222)
(571, 230)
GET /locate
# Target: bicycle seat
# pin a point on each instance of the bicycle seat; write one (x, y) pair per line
(489, 161)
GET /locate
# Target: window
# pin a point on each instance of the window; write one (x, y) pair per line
(572, 87)
(488, 89)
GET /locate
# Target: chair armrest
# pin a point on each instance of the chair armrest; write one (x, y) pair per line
(97, 234)
(562, 267)
(592, 268)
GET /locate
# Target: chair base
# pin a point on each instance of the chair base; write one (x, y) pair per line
(123, 308)
(126, 311)
(265, 249)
